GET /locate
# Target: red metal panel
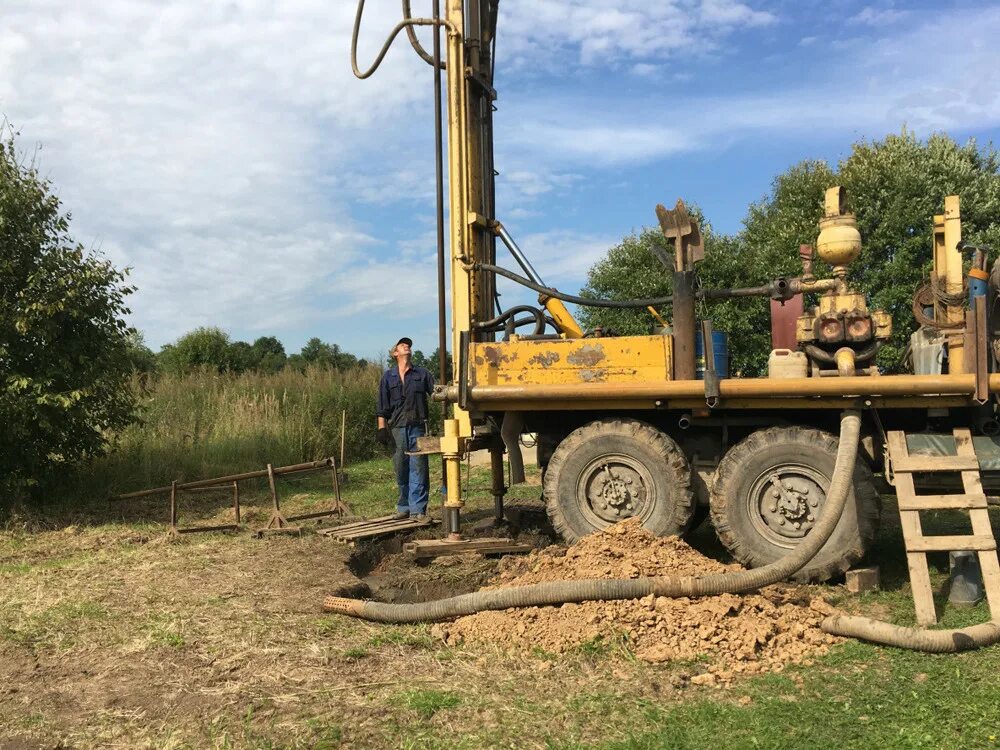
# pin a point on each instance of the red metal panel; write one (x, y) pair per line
(783, 318)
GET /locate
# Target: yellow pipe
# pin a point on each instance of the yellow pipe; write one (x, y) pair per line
(845, 361)
(563, 318)
(764, 388)
(452, 466)
(953, 281)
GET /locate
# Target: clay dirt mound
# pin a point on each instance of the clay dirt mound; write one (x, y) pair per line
(732, 634)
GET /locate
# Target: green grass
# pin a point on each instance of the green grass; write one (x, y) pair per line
(205, 424)
(428, 702)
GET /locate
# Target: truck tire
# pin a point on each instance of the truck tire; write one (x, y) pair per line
(613, 469)
(769, 490)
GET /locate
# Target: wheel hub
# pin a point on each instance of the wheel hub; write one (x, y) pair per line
(615, 490)
(787, 502)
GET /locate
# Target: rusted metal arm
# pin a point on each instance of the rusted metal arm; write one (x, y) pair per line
(282, 470)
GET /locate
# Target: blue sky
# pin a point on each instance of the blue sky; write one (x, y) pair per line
(226, 153)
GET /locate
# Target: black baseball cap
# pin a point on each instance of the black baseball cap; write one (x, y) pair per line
(405, 340)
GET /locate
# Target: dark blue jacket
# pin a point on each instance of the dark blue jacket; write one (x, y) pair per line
(404, 403)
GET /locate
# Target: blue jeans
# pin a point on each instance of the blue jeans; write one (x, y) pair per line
(411, 471)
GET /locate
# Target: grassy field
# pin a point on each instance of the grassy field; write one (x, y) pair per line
(115, 635)
(206, 424)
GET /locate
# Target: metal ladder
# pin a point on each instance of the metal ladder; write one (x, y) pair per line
(981, 541)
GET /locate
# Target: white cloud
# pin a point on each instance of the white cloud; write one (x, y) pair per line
(871, 16)
(599, 32)
(196, 143)
(893, 82)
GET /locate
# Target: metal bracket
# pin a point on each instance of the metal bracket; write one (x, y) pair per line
(712, 391)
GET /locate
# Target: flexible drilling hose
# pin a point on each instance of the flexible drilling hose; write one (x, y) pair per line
(559, 592)
(915, 639)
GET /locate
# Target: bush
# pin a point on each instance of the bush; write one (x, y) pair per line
(64, 348)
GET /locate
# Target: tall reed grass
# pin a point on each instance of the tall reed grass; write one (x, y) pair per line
(205, 424)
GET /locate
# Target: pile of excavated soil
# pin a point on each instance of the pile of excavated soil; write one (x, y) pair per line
(731, 634)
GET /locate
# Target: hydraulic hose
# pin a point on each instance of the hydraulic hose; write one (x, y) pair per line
(406, 23)
(560, 592)
(573, 299)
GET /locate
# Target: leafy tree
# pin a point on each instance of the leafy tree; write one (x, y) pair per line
(140, 357)
(201, 348)
(895, 186)
(296, 362)
(269, 354)
(318, 352)
(240, 357)
(64, 347)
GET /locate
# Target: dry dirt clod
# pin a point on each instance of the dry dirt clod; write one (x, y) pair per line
(735, 635)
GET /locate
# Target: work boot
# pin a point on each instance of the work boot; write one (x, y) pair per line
(420, 517)
(399, 515)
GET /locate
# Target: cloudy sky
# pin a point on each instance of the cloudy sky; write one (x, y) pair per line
(225, 152)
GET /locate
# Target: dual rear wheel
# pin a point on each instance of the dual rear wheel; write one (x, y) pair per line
(766, 496)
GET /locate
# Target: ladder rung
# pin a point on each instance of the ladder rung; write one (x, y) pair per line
(942, 502)
(910, 464)
(951, 543)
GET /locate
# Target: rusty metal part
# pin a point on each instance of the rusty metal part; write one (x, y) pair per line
(783, 317)
(235, 526)
(498, 488)
(981, 350)
(684, 325)
(677, 225)
(278, 522)
(423, 549)
(375, 527)
(763, 388)
(303, 468)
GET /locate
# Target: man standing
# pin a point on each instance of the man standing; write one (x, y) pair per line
(402, 412)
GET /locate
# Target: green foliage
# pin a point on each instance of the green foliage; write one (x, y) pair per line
(64, 347)
(269, 354)
(202, 348)
(895, 186)
(140, 356)
(317, 352)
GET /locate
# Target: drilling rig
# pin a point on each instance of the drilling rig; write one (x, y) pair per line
(645, 426)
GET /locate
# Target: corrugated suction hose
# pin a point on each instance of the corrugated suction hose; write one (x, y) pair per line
(561, 592)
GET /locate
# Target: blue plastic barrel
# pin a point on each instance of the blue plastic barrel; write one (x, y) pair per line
(720, 346)
(977, 285)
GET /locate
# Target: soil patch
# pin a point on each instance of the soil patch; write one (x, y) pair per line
(731, 634)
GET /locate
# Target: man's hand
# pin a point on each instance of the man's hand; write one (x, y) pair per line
(383, 436)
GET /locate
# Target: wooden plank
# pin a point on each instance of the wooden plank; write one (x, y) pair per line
(951, 543)
(942, 502)
(980, 518)
(990, 567)
(931, 464)
(436, 547)
(381, 529)
(920, 577)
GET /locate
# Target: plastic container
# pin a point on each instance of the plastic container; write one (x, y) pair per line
(786, 363)
(927, 348)
(978, 282)
(720, 347)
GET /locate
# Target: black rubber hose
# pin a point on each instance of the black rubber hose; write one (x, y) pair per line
(560, 592)
(573, 299)
(414, 42)
(710, 294)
